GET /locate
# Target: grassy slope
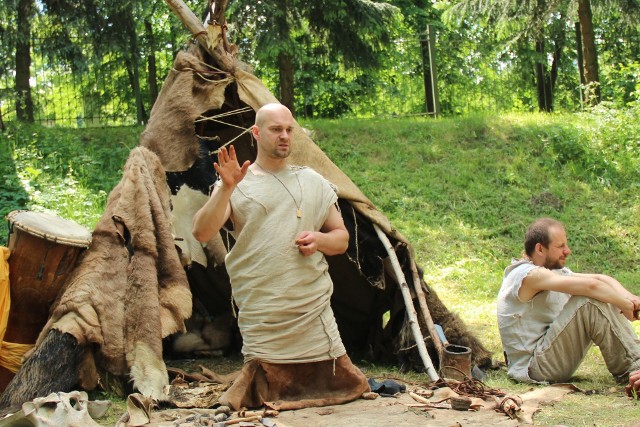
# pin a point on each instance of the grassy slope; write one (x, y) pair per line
(461, 190)
(67, 171)
(464, 190)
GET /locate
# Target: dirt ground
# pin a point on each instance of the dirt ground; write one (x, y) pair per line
(381, 412)
(389, 412)
(399, 411)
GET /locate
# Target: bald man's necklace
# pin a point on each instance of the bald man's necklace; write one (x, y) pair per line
(298, 205)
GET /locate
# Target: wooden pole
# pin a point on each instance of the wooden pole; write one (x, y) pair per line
(426, 314)
(199, 31)
(411, 311)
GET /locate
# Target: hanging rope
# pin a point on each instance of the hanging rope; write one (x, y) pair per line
(225, 114)
(229, 142)
(198, 34)
(207, 69)
(216, 119)
(201, 74)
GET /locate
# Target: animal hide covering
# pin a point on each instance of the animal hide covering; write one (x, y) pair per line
(129, 290)
(180, 133)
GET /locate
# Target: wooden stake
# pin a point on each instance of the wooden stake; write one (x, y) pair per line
(411, 311)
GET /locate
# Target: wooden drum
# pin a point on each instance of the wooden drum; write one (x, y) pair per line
(44, 250)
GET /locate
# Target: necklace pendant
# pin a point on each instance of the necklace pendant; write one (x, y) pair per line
(299, 213)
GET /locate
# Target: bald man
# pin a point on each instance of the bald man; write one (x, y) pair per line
(285, 220)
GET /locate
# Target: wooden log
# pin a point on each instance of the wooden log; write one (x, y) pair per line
(408, 301)
(251, 419)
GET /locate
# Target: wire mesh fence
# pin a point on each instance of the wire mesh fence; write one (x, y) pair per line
(65, 98)
(100, 93)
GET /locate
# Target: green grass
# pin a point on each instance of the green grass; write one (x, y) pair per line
(462, 190)
(67, 172)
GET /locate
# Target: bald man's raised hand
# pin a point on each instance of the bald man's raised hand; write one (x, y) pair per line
(228, 168)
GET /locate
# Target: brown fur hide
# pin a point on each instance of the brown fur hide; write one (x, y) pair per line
(34, 378)
(129, 290)
(287, 386)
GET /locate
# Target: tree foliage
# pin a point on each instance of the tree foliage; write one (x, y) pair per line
(352, 33)
(324, 59)
(543, 20)
(95, 37)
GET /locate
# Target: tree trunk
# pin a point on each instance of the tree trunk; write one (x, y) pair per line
(285, 67)
(131, 60)
(152, 77)
(590, 54)
(580, 59)
(558, 43)
(282, 29)
(24, 102)
(543, 83)
(134, 78)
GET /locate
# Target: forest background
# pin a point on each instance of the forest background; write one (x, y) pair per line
(78, 80)
(95, 63)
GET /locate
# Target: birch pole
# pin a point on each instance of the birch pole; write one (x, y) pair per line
(426, 314)
(411, 311)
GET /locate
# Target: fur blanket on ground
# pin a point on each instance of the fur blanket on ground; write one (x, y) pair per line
(290, 386)
(129, 289)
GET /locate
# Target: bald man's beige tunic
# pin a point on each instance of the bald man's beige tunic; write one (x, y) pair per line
(283, 297)
(293, 352)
